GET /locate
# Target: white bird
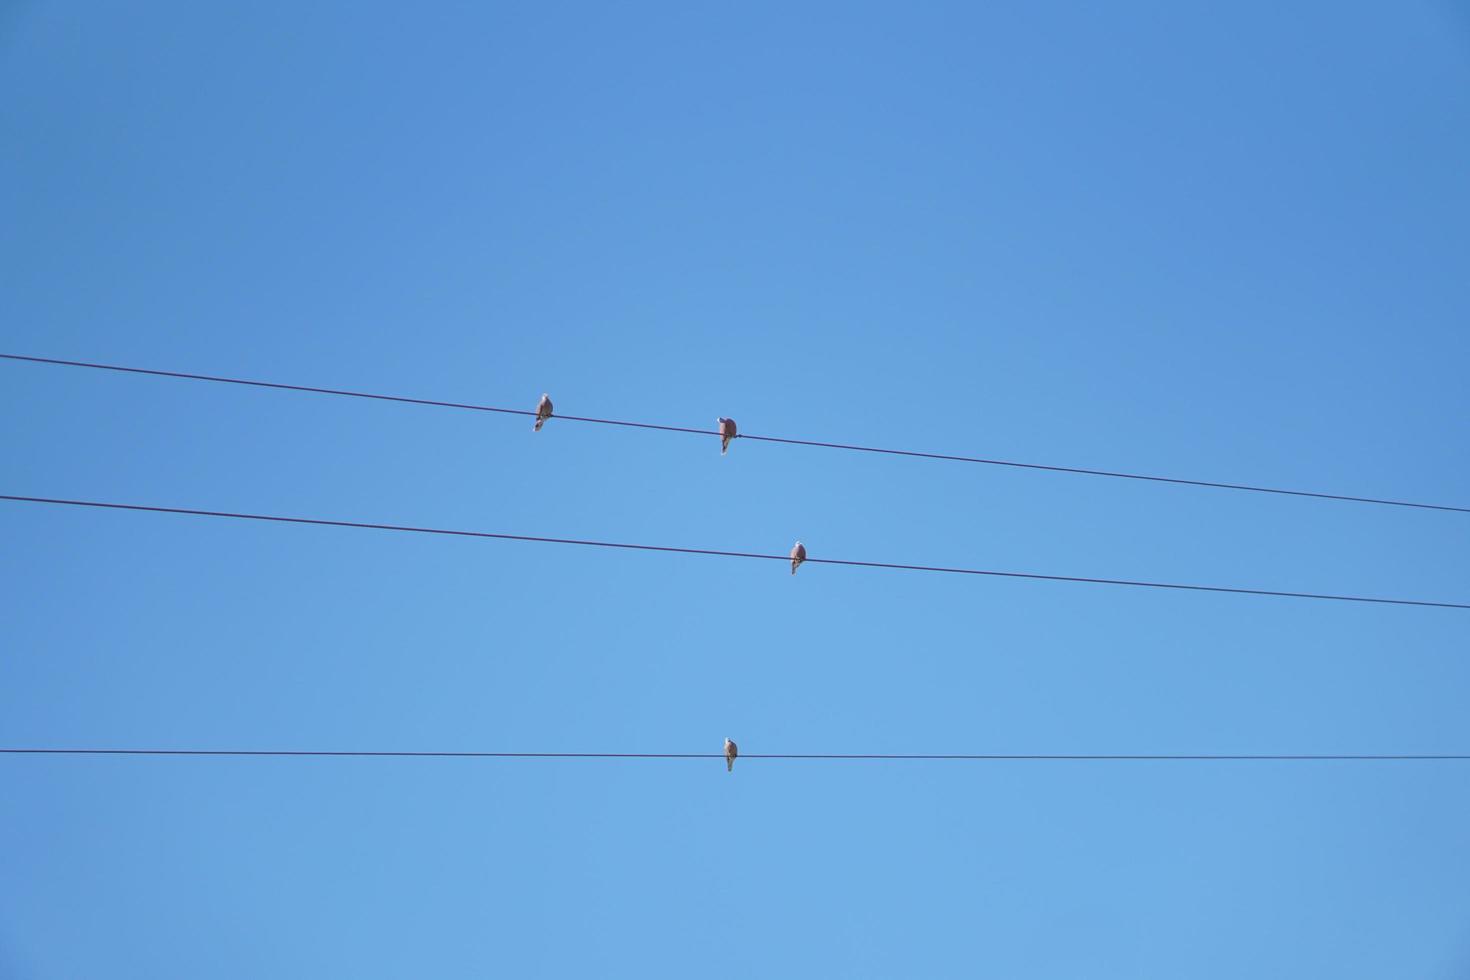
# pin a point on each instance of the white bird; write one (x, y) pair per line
(543, 411)
(731, 751)
(727, 433)
(798, 555)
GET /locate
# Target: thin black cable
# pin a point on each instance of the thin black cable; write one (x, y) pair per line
(1115, 474)
(344, 392)
(813, 756)
(723, 554)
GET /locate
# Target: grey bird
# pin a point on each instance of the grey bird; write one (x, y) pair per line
(798, 555)
(731, 751)
(543, 411)
(727, 433)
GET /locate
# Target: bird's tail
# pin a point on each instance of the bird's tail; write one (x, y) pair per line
(729, 765)
(539, 424)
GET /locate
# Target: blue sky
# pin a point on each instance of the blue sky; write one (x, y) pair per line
(1217, 241)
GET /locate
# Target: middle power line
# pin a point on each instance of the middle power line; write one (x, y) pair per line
(792, 557)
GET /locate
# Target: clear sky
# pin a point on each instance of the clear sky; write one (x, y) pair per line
(1223, 241)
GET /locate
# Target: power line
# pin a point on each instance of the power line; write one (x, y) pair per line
(721, 554)
(344, 392)
(801, 756)
(1085, 471)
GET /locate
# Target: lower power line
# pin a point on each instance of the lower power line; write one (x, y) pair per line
(805, 756)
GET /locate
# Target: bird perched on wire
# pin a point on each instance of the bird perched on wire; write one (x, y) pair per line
(727, 434)
(731, 751)
(798, 555)
(543, 411)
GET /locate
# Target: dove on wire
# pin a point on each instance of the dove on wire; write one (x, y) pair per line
(731, 751)
(543, 411)
(727, 433)
(798, 555)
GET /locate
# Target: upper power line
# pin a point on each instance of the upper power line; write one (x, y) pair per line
(1085, 471)
(803, 756)
(107, 505)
